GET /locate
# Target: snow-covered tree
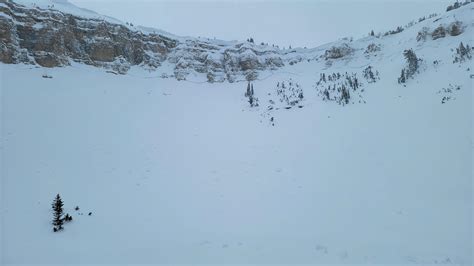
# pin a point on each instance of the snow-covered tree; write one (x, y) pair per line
(402, 78)
(57, 213)
(413, 65)
(253, 101)
(412, 60)
(463, 53)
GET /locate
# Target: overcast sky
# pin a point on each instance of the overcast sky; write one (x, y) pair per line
(284, 22)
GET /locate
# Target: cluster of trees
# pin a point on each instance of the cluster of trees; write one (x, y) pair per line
(412, 68)
(369, 74)
(290, 92)
(337, 87)
(463, 53)
(458, 4)
(342, 96)
(351, 79)
(253, 101)
(424, 17)
(395, 31)
(400, 28)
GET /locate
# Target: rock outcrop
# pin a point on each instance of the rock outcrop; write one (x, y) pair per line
(51, 38)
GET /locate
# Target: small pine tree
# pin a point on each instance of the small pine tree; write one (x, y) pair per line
(402, 78)
(412, 60)
(247, 92)
(463, 53)
(253, 101)
(372, 33)
(345, 95)
(57, 213)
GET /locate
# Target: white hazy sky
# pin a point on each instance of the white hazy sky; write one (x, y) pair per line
(283, 22)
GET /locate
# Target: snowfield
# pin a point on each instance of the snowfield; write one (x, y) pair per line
(185, 172)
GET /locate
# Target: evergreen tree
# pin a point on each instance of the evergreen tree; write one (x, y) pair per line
(463, 53)
(247, 93)
(252, 100)
(57, 213)
(345, 95)
(402, 78)
(462, 49)
(412, 63)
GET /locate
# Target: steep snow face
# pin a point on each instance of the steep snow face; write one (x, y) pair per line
(326, 169)
(182, 172)
(66, 7)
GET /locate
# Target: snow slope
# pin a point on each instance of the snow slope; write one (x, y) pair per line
(65, 7)
(185, 172)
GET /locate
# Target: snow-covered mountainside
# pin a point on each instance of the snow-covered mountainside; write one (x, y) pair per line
(56, 33)
(355, 152)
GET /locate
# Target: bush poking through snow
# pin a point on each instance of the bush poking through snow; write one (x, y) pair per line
(67, 218)
(448, 94)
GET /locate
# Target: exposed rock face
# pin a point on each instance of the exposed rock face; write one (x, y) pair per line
(338, 52)
(51, 38)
